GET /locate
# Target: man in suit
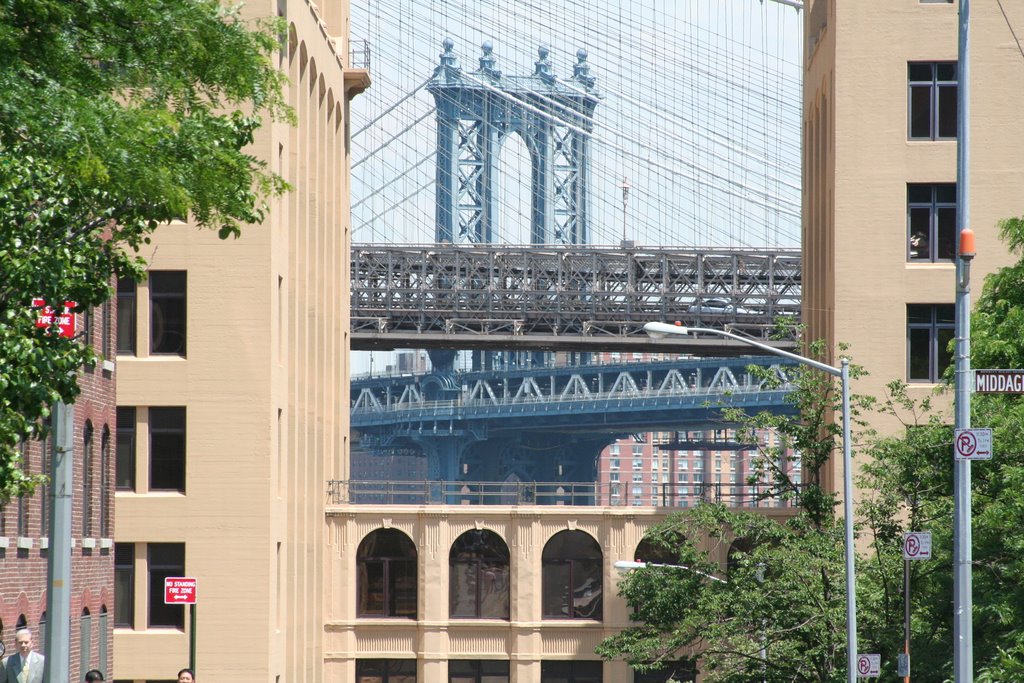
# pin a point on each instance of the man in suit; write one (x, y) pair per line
(24, 666)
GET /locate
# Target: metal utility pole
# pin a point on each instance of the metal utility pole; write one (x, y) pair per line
(963, 637)
(58, 563)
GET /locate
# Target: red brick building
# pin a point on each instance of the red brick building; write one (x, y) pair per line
(24, 522)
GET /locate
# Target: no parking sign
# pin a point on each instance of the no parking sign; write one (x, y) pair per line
(917, 545)
(869, 666)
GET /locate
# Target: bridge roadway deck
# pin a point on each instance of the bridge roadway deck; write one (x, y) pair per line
(545, 297)
(591, 398)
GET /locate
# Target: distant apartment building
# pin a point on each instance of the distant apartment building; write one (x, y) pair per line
(684, 468)
(25, 522)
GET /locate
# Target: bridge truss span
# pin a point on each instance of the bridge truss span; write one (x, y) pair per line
(441, 295)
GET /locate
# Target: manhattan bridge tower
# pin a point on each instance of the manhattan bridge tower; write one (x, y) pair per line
(478, 111)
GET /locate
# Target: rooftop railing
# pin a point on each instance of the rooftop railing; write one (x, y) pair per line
(610, 494)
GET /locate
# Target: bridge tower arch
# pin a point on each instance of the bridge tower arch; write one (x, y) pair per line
(477, 111)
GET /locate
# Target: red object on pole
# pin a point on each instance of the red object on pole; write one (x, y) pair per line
(967, 243)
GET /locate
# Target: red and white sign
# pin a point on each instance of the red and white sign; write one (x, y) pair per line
(972, 444)
(869, 666)
(180, 590)
(917, 545)
(47, 317)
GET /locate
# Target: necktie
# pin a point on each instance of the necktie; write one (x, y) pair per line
(23, 678)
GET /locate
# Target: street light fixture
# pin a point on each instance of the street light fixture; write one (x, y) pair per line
(662, 330)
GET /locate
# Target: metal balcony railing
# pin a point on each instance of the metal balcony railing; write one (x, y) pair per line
(359, 54)
(611, 494)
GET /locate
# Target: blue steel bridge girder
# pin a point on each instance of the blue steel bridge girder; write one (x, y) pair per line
(529, 421)
(477, 112)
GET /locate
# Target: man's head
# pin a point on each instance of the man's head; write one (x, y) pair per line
(93, 675)
(23, 639)
(186, 676)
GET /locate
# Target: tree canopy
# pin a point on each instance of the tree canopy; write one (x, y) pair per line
(780, 613)
(795, 615)
(115, 116)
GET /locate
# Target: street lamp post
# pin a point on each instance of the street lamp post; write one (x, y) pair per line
(658, 330)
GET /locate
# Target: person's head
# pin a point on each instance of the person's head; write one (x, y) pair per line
(23, 639)
(186, 676)
(93, 675)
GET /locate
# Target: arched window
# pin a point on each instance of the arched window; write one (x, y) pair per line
(737, 551)
(41, 645)
(87, 468)
(663, 550)
(105, 483)
(101, 664)
(386, 575)
(479, 576)
(85, 639)
(571, 569)
(21, 623)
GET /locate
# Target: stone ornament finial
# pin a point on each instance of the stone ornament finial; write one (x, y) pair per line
(542, 67)
(581, 71)
(449, 65)
(488, 62)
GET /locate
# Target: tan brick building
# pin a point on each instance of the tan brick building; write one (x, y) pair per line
(880, 175)
(232, 399)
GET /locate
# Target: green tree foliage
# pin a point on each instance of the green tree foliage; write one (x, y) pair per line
(785, 588)
(115, 116)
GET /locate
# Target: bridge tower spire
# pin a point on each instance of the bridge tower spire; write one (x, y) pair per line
(477, 111)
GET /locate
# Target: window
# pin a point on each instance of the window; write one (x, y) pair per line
(126, 322)
(124, 478)
(613, 464)
(167, 449)
(698, 464)
(638, 449)
(105, 483)
(108, 333)
(932, 106)
(85, 640)
(571, 672)
(88, 463)
(615, 449)
(683, 464)
(479, 576)
(477, 671)
(101, 664)
(165, 559)
(386, 575)
(682, 478)
(124, 585)
(614, 476)
(571, 577)
(167, 290)
(44, 488)
(698, 477)
(930, 328)
(931, 221)
(386, 671)
(24, 501)
(638, 463)
(638, 477)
